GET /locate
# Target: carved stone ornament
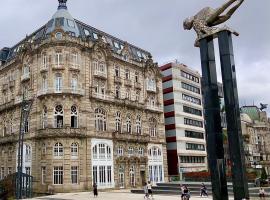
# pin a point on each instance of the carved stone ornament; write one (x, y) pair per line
(205, 20)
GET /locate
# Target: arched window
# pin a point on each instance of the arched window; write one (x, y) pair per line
(152, 127)
(58, 116)
(44, 83)
(44, 117)
(74, 117)
(100, 120)
(74, 150)
(118, 122)
(58, 150)
(117, 92)
(58, 82)
(138, 125)
(28, 153)
(128, 124)
(132, 176)
(74, 83)
(155, 153)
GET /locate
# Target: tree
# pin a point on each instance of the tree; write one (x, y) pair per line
(263, 174)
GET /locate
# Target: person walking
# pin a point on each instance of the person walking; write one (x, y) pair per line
(149, 188)
(203, 190)
(145, 189)
(95, 190)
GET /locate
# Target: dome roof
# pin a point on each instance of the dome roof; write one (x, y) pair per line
(63, 19)
(245, 117)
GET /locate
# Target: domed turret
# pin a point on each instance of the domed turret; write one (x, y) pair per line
(62, 19)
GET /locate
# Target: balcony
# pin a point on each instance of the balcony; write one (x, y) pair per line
(25, 77)
(72, 91)
(131, 137)
(128, 82)
(60, 132)
(102, 96)
(137, 85)
(100, 74)
(59, 66)
(5, 87)
(117, 79)
(154, 108)
(74, 67)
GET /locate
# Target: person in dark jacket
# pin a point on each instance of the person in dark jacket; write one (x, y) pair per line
(95, 190)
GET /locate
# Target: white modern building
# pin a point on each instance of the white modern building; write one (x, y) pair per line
(184, 122)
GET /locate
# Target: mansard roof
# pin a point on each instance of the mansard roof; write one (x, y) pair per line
(75, 28)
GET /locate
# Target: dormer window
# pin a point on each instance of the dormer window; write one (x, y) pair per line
(95, 35)
(116, 45)
(86, 32)
(71, 23)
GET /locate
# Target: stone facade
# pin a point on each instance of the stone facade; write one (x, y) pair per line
(97, 114)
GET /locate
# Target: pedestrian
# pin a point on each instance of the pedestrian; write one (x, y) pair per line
(95, 190)
(145, 189)
(203, 190)
(185, 193)
(261, 193)
(149, 188)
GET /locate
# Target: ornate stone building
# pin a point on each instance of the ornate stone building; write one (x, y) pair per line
(97, 113)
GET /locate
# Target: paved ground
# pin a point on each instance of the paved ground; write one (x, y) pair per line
(114, 195)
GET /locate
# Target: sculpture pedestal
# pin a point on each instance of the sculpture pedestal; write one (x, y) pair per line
(213, 127)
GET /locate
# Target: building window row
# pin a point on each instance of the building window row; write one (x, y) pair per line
(58, 150)
(58, 59)
(190, 77)
(117, 73)
(191, 99)
(192, 111)
(193, 134)
(196, 147)
(192, 159)
(190, 88)
(131, 151)
(193, 122)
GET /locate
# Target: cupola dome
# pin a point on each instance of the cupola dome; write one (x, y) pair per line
(62, 19)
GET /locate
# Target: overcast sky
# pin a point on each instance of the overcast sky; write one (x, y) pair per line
(156, 26)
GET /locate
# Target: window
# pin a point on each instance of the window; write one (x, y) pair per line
(28, 153)
(58, 175)
(44, 83)
(116, 45)
(117, 71)
(192, 159)
(152, 101)
(43, 175)
(138, 125)
(58, 116)
(190, 88)
(86, 32)
(44, 117)
(2, 175)
(191, 99)
(118, 122)
(132, 176)
(136, 77)
(127, 74)
(152, 127)
(192, 111)
(26, 70)
(28, 170)
(193, 122)
(137, 97)
(95, 35)
(44, 149)
(74, 117)
(128, 96)
(140, 151)
(128, 124)
(74, 83)
(102, 67)
(190, 77)
(58, 150)
(130, 151)
(9, 170)
(100, 120)
(71, 23)
(74, 174)
(99, 68)
(102, 151)
(193, 134)
(58, 82)
(44, 61)
(151, 84)
(100, 89)
(117, 92)
(26, 125)
(120, 151)
(74, 150)
(196, 147)
(58, 60)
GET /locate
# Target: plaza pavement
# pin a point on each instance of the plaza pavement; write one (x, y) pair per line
(114, 195)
